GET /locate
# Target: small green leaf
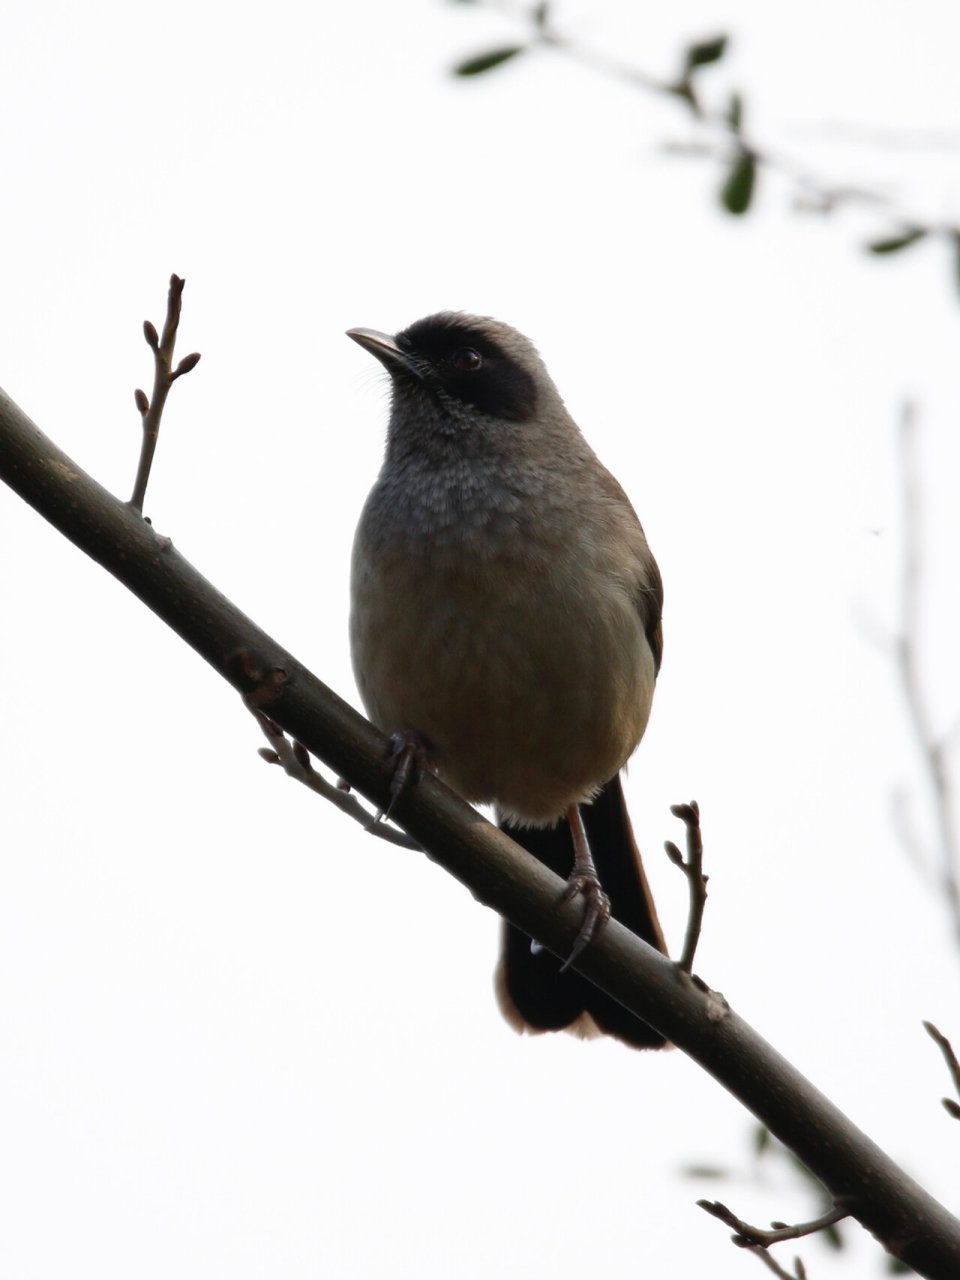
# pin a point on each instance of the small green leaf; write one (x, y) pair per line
(737, 192)
(704, 52)
(956, 263)
(487, 61)
(761, 1139)
(893, 244)
(735, 112)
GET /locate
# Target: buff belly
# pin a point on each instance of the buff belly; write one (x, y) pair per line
(529, 699)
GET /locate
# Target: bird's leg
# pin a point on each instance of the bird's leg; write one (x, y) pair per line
(412, 754)
(583, 879)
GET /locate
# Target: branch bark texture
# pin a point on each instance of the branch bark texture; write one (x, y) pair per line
(863, 1179)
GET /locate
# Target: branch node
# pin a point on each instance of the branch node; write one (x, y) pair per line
(267, 686)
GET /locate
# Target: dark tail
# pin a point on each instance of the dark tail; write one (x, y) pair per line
(534, 995)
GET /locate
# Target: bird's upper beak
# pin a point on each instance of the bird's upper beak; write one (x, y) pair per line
(385, 348)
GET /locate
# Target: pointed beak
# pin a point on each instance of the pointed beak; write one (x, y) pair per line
(385, 348)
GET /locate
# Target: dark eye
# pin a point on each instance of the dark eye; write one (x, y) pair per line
(467, 360)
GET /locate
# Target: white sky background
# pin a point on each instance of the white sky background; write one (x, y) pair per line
(237, 1036)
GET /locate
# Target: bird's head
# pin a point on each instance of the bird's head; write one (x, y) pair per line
(462, 364)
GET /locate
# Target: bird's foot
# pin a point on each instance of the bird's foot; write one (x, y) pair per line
(584, 882)
(412, 754)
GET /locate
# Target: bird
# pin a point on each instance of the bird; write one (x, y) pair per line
(505, 632)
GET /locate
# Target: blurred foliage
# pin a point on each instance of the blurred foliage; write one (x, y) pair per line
(737, 191)
(894, 244)
(486, 61)
(704, 52)
(740, 165)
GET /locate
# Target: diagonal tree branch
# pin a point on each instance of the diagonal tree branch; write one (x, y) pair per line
(906, 1219)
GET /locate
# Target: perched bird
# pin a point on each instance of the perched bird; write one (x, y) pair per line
(505, 627)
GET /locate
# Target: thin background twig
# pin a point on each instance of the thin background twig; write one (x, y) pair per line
(932, 748)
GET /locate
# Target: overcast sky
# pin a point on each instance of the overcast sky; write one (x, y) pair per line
(239, 1037)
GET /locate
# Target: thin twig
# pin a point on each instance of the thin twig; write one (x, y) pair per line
(746, 1236)
(933, 749)
(852, 133)
(545, 34)
(953, 1065)
(905, 831)
(164, 376)
(611, 67)
(295, 761)
(769, 1261)
(692, 868)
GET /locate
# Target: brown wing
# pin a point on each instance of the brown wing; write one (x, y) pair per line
(650, 605)
(649, 589)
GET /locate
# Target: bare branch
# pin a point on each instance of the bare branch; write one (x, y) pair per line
(692, 868)
(747, 1236)
(164, 376)
(295, 761)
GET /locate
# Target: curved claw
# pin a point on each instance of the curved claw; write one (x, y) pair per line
(596, 915)
(412, 754)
